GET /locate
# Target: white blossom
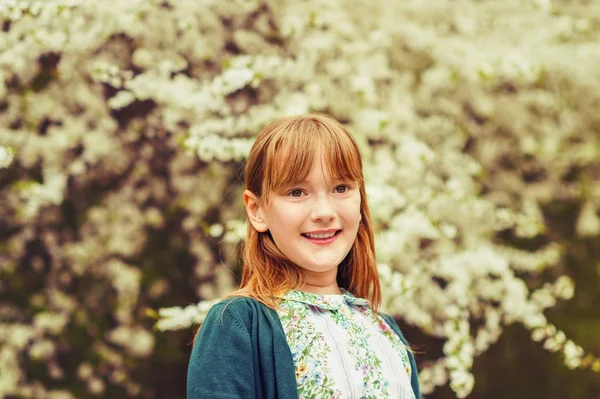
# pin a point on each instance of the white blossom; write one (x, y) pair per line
(588, 223)
(7, 154)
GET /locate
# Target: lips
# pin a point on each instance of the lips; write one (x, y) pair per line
(321, 235)
(322, 238)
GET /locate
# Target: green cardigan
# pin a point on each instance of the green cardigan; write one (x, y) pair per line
(241, 353)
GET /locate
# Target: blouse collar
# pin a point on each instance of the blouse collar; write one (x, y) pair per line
(329, 302)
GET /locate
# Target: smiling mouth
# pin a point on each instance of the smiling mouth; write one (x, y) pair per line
(322, 238)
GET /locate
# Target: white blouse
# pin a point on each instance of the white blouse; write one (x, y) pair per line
(341, 351)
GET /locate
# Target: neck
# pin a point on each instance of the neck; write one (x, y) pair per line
(320, 283)
(317, 290)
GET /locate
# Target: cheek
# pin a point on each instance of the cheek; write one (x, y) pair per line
(284, 217)
(352, 210)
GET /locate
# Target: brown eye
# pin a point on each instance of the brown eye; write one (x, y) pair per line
(341, 189)
(295, 193)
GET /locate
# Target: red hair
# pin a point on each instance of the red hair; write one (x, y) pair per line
(293, 142)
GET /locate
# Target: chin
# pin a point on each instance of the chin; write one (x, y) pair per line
(321, 267)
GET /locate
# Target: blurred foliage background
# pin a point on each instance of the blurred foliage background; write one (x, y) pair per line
(123, 129)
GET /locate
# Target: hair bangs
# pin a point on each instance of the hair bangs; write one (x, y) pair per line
(290, 154)
(289, 159)
(341, 155)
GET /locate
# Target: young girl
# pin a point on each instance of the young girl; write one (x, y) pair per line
(304, 322)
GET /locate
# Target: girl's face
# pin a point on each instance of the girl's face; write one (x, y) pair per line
(314, 223)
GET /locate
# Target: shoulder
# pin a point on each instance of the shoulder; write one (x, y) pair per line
(236, 303)
(234, 306)
(227, 318)
(238, 309)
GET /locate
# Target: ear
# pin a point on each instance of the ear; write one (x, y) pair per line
(254, 211)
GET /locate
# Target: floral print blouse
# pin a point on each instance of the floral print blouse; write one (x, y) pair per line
(341, 351)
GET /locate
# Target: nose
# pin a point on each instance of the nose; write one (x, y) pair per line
(323, 210)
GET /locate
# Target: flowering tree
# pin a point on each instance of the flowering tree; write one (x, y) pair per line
(124, 125)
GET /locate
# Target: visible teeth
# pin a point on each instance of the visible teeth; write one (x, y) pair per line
(322, 235)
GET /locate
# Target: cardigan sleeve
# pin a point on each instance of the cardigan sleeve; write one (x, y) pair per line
(221, 362)
(414, 373)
